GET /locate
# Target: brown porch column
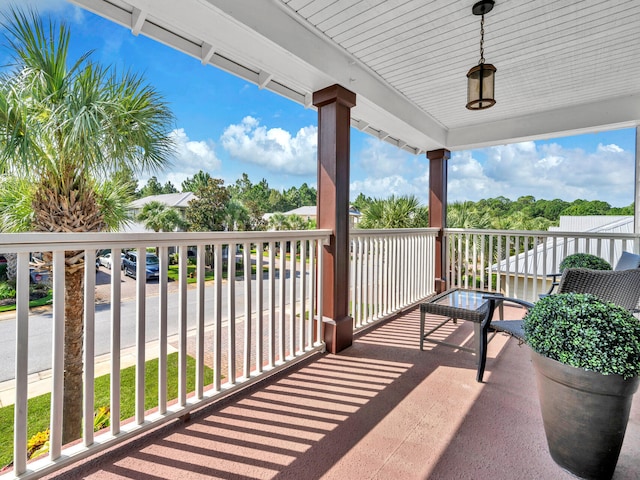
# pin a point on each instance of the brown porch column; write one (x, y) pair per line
(334, 123)
(438, 209)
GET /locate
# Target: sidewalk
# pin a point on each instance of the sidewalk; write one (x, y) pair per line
(40, 382)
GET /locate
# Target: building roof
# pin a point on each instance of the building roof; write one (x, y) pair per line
(527, 262)
(311, 211)
(306, 211)
(177, 200)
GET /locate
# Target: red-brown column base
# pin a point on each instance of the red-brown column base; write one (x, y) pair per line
(337, 334)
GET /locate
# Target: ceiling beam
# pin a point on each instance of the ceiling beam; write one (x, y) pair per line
(609, 114)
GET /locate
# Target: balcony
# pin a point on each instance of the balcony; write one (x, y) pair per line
(379, 408)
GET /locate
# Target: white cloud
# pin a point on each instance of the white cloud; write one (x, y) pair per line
(380, 159)
(610, 148)
(190, 157)
(389, 171)
(274, 149)
(546, 171)
(382, 187)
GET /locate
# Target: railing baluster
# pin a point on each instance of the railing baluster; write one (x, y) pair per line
(282, 291)
(381, 259)
(312, 290)
(246, 250)
(259, 305)
(320, 249)
(302, 325)
(482, 266)
(526, 254)
(22, 364)
(231, 313)
(162, 329)
(182, 324)
(141, 299)
(217, 300)
(365, 308)
(200, 289)
(272, 304)
(114, 387)
(57, 360)
(498, 260)
(89, 344)
(293, 251)
(359, 285)
(353, 283)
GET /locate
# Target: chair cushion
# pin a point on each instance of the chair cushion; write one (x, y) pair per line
(628, 261)
(512, 327)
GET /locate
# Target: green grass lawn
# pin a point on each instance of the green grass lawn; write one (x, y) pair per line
(174, 272)
(33, 303)
(38, 407)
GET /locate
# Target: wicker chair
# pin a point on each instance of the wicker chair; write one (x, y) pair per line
(621, 287)
(627, 261)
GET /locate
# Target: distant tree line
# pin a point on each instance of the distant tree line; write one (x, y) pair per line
(218, 207)
(242, 205)
(501, 213)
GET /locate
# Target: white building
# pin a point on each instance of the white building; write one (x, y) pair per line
(310, 212)
(179, 201)
(535, 264)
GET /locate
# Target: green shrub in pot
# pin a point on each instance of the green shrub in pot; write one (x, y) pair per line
(584, 260)
(581, 331)
(586, 354)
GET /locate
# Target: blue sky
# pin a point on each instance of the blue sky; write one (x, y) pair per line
(227, 126)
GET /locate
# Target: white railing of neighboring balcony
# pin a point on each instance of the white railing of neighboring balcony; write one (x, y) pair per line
(273, 324)
(518, 263)
(390, 270)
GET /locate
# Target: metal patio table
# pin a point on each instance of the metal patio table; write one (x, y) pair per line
(462, 304)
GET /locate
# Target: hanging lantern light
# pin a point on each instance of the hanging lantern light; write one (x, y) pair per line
(481, 78)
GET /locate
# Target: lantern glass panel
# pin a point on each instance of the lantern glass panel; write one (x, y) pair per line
(481, 87)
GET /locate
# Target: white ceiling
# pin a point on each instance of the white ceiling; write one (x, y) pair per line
(563, 66)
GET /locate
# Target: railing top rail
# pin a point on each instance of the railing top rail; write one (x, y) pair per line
(366, 232)
(542, 233)
(36, 241)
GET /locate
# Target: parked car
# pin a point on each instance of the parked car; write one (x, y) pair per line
(39, 276)
(130, 263)
(105, 260)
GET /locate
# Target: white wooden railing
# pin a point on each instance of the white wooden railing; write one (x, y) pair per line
(517, 262)
(246, 338)
(266, 322)
(390, 270)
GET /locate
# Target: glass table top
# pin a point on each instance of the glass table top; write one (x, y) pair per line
(467, 299)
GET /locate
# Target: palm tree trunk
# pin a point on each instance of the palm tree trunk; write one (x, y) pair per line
(70, 206)
(73, 348)
(12, 266)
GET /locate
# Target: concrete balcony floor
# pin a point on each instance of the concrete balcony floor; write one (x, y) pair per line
(382, 409)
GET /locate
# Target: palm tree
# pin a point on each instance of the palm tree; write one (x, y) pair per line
(159, 217)
(465, 215)
(235, 216)
(66, 127)
(278, 221)
(395, 212)
(296, 222)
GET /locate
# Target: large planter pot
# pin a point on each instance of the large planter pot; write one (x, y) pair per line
(585, 416)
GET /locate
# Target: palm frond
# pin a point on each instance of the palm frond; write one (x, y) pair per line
(16, 204)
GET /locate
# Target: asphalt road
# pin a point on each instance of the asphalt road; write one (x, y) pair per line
(40, 324)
